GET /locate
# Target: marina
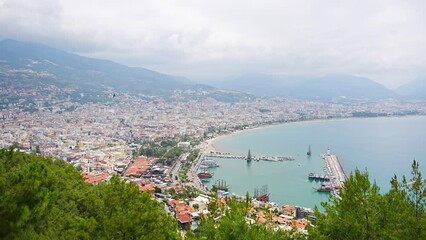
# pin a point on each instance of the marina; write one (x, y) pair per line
(288, 181)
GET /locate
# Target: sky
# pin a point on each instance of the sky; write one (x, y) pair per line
(384, 40)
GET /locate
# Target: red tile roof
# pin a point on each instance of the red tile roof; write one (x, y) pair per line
(139, 166)
(184, 217)
(150, 188)
(97, 178)
(183, 208)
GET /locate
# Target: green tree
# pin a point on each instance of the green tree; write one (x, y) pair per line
(128, 214)
(413, 208)
(232, 223)
(43, 198)
(356, 215)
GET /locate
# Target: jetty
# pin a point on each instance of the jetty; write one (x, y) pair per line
(335, 172)
(252, 157)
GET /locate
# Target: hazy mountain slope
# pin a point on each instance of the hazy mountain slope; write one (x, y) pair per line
(71, 69)
(337, 86)
(256, 84)
(324, 88)
(413, 90)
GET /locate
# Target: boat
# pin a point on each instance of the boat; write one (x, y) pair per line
(318, 177)
(325, 188)
(309, 153)
(249, 157)
(209, 163)
(221, 185)
(263, 198)
(262, 193)
(204, 174)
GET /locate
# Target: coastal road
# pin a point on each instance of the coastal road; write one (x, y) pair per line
(192, 175)
(175, 169)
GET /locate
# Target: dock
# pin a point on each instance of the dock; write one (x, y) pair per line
(254, 158)
(335, 171)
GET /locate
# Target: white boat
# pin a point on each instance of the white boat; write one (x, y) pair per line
(209, 163)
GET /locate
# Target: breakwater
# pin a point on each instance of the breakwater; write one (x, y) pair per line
(337, 175)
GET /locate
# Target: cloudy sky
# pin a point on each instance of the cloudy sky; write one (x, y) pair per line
(207, 40)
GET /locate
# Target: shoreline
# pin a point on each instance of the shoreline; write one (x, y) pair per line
(210, 143)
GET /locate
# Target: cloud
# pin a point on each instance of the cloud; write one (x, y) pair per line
(209, 39)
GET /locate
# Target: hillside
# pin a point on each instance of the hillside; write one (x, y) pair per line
(48, 71)
(415, 90)
(73, 70)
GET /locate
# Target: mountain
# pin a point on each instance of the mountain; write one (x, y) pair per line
(415, 90)
(47, 71)
(329, 87)
(74, 70)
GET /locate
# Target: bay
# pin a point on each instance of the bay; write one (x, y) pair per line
(382, 146)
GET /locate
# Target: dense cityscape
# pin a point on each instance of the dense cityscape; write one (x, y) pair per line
(106, 138)
(265, 120)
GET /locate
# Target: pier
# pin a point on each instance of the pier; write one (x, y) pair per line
(254, 158)
(335, 172)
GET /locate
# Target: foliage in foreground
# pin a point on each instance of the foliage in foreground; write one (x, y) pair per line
(364, 213)
(41, 198)
(230, 222)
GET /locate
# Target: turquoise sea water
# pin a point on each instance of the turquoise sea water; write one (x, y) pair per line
(383, 146)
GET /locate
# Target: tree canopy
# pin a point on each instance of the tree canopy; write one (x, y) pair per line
(230, 222)
(362, 212)
(44, 198)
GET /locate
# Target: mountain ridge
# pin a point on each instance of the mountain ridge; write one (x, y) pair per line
(79, 69)
(37, 66)
(328, 87)
(415, 90)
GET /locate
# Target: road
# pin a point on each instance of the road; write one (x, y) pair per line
(174, 170)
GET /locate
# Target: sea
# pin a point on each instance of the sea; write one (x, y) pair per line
(383, 147)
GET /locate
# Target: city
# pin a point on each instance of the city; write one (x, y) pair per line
(105, 138)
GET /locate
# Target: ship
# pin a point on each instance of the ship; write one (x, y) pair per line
(318, 177)
(221, 185)
(325, 188)
(262, 193)
(204, 174)
(309, 153)
(209, 163)
(249, 157)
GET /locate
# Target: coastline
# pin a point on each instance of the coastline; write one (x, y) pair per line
(210, 143)
(270, 173)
